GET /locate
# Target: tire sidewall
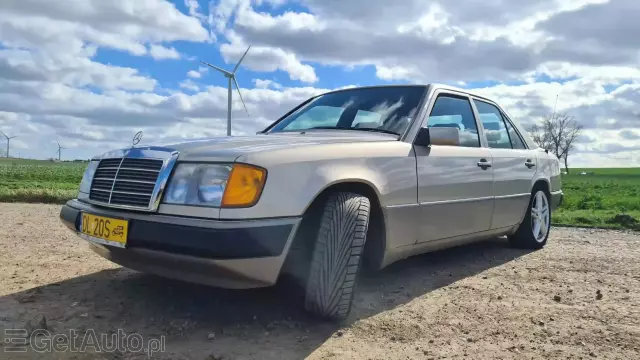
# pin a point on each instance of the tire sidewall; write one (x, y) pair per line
(524, 237)
(544, 241)
(312, 281)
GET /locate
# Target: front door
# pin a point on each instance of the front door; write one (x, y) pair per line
(514, 166)
(455, 183)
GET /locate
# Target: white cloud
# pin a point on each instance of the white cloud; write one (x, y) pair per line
(266, 83)
(53, 87)
(586, 100)
(193, 7)
(18, 65)
(194, 74)
(440, 41)
(395, 72)
(118, 24)
(189, 85)
(269, 59)
(160, 52)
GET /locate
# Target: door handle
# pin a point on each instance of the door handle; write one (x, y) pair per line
(484, 164)
(529, 163)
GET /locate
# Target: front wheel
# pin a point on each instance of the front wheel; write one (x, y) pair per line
(336, 255)
(534, 229)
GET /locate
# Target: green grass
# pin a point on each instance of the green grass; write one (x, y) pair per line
(597, 199)
(39, 181)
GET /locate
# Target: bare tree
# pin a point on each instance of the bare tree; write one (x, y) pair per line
(557, 134)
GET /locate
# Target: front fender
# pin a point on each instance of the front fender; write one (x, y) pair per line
(290, 188)
(328, 176)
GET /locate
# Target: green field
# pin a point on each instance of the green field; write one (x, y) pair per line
(39, 181)
(603, 198)
(596, 198)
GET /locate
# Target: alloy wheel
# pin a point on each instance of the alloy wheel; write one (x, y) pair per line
(540, 216)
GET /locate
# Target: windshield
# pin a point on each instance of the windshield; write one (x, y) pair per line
(384, 109)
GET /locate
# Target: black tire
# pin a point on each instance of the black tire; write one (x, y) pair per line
(336, 255)
(524, 237)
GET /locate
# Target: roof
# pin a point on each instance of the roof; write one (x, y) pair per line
(453, 88)
(436, 86)
(432, 85)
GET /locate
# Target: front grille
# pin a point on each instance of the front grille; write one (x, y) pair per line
(125, 181)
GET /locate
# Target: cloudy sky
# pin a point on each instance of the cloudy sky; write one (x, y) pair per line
(90, 73)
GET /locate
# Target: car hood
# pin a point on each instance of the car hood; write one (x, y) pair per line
(230, 148)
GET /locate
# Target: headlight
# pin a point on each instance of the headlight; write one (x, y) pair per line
(85, 184)
(215, 185)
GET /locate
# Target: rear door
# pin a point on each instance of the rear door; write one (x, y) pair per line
(455, 183)
(514, 166)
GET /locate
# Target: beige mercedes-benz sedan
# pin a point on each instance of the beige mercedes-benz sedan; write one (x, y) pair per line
(366, 175)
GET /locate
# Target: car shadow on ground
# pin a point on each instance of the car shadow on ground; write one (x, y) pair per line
(208, 322)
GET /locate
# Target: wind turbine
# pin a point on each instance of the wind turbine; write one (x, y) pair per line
(231, 76)
(8, 139)
(60, 148)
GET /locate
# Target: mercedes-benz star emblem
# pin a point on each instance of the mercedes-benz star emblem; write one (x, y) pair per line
(137, 137)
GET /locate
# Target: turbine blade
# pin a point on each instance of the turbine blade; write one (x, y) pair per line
(240, 61)
(240, 94)
(216, 68)
(3, 134)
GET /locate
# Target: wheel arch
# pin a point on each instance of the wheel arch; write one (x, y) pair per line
(516, 235)
(376, 234)
(542, 183)
(536, 184)
(358, 186)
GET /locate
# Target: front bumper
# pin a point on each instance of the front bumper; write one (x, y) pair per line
(231, 254)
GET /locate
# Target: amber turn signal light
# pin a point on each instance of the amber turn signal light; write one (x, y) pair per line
(244, 186)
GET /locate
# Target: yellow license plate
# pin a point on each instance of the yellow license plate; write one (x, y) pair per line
(104, 230)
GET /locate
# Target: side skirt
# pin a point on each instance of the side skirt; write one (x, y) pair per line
(399, 253)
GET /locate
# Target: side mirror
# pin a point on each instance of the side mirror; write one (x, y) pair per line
(438, 136)
(423, 138)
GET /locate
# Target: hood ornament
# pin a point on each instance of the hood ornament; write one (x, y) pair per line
(137, 137)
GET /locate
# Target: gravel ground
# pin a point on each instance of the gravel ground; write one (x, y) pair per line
(579, 298)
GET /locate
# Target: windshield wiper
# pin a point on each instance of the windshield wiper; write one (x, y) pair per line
(357, 129)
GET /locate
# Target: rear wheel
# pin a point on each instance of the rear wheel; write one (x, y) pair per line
(534, 229)
(336, 255)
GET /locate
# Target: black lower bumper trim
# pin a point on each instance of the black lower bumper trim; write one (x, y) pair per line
(69, 217)
(218, 243)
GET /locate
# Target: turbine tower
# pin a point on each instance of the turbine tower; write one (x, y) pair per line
(231, 76)
(60, 148)
(8, 140)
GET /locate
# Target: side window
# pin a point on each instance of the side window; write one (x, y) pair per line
(449, 111)
(516, 141)
(494, 127)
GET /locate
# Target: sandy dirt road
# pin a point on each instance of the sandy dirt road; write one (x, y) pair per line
(579, 298)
